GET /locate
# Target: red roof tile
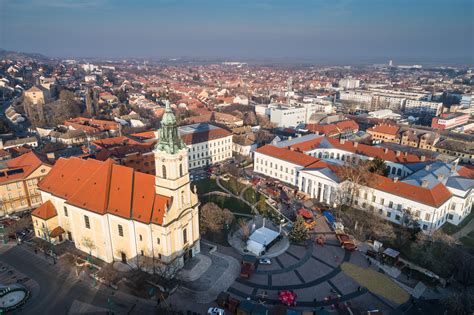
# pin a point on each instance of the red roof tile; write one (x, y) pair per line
(434, 197)
(294, 157)
(22, 166)
(46, 211)
(359, 148)
(105, 187)
(386, 129)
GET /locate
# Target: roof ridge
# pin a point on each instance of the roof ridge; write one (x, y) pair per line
(108, 183)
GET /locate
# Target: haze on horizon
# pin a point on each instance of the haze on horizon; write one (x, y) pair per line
(350, 31)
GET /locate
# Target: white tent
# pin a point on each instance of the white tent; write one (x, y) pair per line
(260, 239)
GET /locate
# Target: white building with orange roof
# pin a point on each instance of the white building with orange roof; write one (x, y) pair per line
(430, 193)
(118, 214)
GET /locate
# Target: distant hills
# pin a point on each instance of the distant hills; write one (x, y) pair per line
(15, 55)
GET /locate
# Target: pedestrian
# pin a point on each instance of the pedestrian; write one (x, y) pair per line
(36, 250)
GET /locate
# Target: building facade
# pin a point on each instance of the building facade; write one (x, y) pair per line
(450, 120)
(18, 183)
(118, 214)
(425, 193)
(207, 144)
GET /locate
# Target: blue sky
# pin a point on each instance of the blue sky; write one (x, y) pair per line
(317, 30)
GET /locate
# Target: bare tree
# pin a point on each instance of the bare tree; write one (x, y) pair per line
(354, 175)
(89, 244)
(244, 230)
(213, 218)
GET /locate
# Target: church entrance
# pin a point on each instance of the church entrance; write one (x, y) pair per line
(124, 258)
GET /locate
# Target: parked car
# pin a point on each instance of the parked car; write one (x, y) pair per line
(264, 261)
(215, 311)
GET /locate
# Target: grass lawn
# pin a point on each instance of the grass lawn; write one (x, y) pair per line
(233, 204)
(251, 195)
(218, 237)
(376, 282)
(450, 229)
(206, 185)
(232, 185)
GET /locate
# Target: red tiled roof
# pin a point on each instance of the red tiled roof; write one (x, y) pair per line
(466, 171)
(22, 166)
(294, 157)
(434, 197)
(361, 149)
(383, 128)
(56, 232)
(105, 187)
(333, 129)
(46, 211)
(197, 137)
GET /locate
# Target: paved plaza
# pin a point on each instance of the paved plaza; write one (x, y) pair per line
(313, 272)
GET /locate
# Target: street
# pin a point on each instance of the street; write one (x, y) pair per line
(59, 287)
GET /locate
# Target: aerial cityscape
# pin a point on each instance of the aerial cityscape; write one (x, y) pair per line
(236, 157)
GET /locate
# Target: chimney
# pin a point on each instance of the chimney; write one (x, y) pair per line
(398, 153)
(405, 154)
(356, 144)
(440, 177)
(428, 167)
(424, 183)
(395, 179)
(453, 168)
(423, 158)
(342, 141)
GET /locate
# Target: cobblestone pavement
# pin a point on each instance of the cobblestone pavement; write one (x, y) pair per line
(314, 274)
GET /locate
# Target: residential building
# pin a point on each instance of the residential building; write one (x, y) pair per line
(207, 144)
(459, 148)
(349, 84)
(18, 182)
(423, 107)
(412, 137)
(118, 214)
(94, 126)
(125, 151)
(340, 129)
(384, 133)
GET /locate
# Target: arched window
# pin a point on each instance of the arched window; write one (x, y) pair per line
(163, 170)
(180, 170)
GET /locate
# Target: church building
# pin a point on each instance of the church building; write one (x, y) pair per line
(117, 214)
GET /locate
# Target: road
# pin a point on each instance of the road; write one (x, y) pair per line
(59, 287)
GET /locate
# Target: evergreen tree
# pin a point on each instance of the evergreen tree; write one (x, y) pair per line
(299, 232)
(378, 166)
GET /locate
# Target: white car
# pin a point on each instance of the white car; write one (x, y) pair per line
(265, 261)
(215, 311)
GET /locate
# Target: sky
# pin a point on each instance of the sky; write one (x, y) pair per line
(325, 31)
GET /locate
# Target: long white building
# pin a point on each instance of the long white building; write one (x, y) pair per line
(431, 193)
(207, 144)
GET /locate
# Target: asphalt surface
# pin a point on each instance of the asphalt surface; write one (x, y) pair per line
(59, 287)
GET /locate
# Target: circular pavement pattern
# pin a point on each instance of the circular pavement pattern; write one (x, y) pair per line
(313, 272)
